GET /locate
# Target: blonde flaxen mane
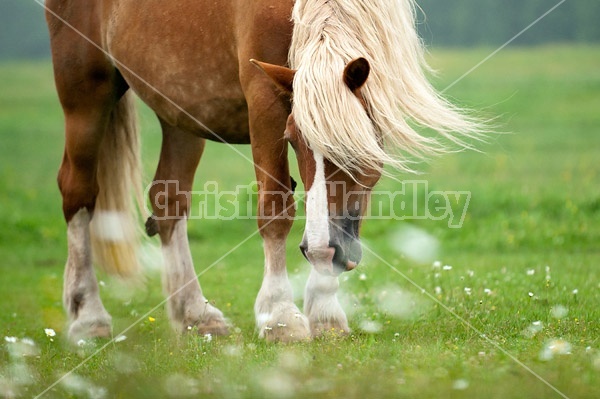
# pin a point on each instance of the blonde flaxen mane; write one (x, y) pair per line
(330, 33)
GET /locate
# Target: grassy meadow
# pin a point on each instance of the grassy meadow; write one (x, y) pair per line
(507, 307)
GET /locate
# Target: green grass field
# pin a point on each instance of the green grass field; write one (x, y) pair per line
(516, 316)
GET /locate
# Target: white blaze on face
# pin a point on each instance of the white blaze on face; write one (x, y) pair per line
(317, 216)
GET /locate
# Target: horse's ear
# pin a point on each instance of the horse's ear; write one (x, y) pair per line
(356, 73)
(283, 77)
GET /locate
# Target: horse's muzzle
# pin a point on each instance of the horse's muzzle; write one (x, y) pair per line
(328, 261)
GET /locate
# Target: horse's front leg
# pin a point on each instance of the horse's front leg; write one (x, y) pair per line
(170, 198)
(322, 307)
(277, 317)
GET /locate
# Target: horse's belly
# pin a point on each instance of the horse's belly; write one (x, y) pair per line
(217, 119)
(182, 64)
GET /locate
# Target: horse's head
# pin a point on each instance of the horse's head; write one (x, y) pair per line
(336, 197)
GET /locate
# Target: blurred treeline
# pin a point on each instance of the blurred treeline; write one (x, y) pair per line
(494, 22)
(457, 23)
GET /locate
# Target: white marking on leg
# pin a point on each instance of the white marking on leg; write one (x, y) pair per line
(81, 298)
(275, 286)
(277, 317)
(178, 261)
(321, 304)
(187, 307)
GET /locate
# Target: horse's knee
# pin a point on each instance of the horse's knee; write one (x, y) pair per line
(276, 212)
(78, 188)
(168, 199)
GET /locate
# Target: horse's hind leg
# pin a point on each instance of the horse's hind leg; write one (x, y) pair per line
(87, 315)
(89, 87)
(85, 126)
(170, 199)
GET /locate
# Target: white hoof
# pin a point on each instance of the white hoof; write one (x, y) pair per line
(284, 324)
(322, 307)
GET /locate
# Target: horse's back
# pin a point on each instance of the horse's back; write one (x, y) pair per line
(186, 59)
(183, 57)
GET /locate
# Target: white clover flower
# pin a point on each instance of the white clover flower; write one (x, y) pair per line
(120, 338)
(11, 340)
(370, 326)
(415, 244)
(447, 267)
(530, 272)
(535, 327)
(555, 347)
(460, 384)
(559, 311)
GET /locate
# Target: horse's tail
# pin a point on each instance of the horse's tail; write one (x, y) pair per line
(115, 233)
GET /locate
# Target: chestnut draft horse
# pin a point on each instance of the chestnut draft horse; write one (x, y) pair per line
(340, 80)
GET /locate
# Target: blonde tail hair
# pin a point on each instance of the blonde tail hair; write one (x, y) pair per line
(115, 234)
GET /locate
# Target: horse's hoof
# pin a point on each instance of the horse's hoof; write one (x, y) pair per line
(206, 319)
(329, 328)
(86, 329)
(287, 326)
(285, 334)
(213, 327)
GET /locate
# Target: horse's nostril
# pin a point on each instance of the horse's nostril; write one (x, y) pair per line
(338, 252)
(303, 249)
